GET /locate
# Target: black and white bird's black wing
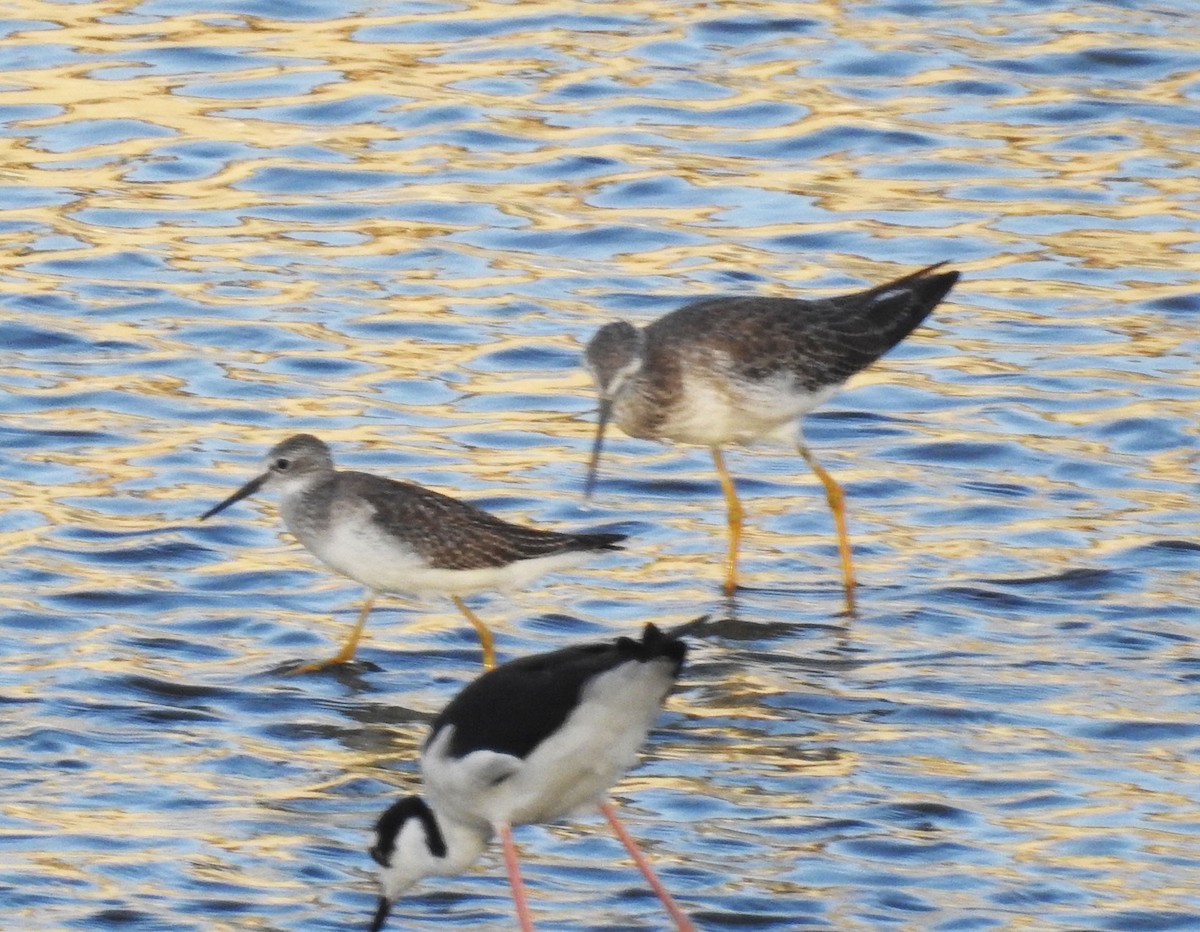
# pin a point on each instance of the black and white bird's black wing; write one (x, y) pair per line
(544, 736)
(510, 710)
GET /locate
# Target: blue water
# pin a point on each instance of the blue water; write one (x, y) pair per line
(395, 226)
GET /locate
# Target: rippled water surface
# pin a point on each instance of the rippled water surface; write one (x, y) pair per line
(394, 225)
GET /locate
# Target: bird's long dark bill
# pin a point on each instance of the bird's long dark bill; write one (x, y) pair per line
(381, 913)
(594, 461)
(248, 489)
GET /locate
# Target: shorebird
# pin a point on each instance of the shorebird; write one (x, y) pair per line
(730, 370)
(399, 537)
(530, 741)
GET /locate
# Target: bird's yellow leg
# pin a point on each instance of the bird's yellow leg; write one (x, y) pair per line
(837, 504)
(486, 641)
(736, 515)
(346, 654)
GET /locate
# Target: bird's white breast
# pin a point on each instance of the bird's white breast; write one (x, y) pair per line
(353, 544)
(713, 407)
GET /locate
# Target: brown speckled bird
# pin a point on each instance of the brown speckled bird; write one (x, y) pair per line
(730, 370)
(399, 537)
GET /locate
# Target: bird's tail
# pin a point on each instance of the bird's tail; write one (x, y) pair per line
(653, 645)
(905, 302)
(598, 541)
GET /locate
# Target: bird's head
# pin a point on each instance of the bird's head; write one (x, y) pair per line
(295, 462)
(409, 846)
(613, 356)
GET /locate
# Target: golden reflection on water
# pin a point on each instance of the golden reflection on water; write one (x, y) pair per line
(417, 75)
(222, 258)
(421, 78)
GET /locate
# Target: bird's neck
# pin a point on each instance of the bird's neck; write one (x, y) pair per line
(294, 498)
(464, 843)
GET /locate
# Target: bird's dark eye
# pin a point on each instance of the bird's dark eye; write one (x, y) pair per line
(282, 463)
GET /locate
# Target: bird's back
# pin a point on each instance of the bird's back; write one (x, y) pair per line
(516, 706)
(539, 737)
(819, 342)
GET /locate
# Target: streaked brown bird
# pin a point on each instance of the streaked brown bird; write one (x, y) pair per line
(734, 369)
(399, 537)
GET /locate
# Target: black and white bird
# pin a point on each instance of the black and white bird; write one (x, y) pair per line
(531, 741)
(394, 536)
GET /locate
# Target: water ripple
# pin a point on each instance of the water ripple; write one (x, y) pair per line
(396, 227)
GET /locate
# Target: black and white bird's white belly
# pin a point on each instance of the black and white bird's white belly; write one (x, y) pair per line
(570, 769)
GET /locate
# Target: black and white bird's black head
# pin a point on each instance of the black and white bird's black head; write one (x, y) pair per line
(410, 845)
(292, 465)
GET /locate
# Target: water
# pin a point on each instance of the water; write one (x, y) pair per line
(394, 226)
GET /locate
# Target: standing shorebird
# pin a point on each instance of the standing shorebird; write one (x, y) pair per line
(729, 370)
(399, 537)
(530, 741)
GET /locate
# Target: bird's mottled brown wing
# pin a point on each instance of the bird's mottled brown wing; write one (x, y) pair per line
(820, 342)
(455, 535)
